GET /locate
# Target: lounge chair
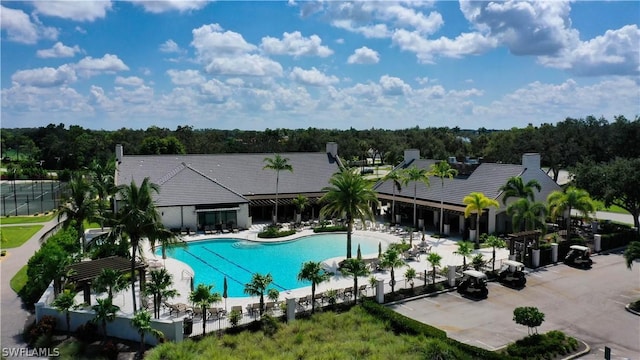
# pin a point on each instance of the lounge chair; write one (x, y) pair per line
(253, 309)
(304, 301)
(348, 292)
(197, 311)
(270, 307)
(362, 290)
(178, 308)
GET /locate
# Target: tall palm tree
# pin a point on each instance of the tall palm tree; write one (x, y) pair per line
(105, 312)
(465, 248)
(350, 195)
(141, 321)
(158, 287)
(434, 259)
(567, 200)
(203, 298)
(138, 218)
(442, 169)
(515, 187)
(63, 303)
(476, 203)
(165, 238)
(415, 175)
(396, 178)
(277, 163)
(390, 260)
(102, 176)
(527, 215)
(109, 281)
(494, 242)
(354, 267)
(258, 286)
(300, 202)
(313, 272)
(80, 206)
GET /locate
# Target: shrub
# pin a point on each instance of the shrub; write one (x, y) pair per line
(635, 306)
(269, 325)
(324, 229)
(110, 350)
(87, 332)
(274, 231)
(401, 323)
(546, 345)
(45, 326)
(234, 317)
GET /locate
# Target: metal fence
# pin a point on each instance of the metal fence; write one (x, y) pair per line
(29, 197)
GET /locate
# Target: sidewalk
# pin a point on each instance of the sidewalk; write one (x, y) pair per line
(13, 314)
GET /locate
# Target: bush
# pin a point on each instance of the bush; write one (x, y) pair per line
(87, 332)
(45, 327)
(635, 306)
(274, 232)
(547, 345)
(334, 228)
(618, 239)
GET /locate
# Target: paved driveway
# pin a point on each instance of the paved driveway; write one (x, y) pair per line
(586, 304)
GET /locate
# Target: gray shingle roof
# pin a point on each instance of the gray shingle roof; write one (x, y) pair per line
(225, 178)
(487, 179)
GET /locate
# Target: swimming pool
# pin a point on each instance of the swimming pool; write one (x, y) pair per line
(238, 260)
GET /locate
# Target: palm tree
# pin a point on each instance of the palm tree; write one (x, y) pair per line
(203, 298)
(104, 185)
(515, 187)
(415, 175)
(410, 274)
(109, 281)
(138, 218)
(476, 203)
(494, 242)
(80, 206)
(105, 312)
(527, 215)
(465, 248)
(300, 202)
(165, 238)
(277, 163)
(354, 267)
(349, 195)
(313, 272)
(390, 260)
(434, 259)
(567, 200)
(141, 321)
(632, 253)
(65, 301)
(396, 177)
(258, 286)
(158, 287)
(442, 170)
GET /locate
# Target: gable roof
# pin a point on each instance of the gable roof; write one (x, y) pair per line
(225, 178)
(487, 178)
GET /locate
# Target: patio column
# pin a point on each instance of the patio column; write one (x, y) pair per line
(491, 220)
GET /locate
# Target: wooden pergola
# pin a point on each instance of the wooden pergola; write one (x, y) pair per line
(524, 237)
(83, 273)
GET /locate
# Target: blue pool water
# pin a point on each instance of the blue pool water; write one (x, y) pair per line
(238, 260)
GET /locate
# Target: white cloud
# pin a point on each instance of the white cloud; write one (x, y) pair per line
(185, 77)
(525, 27)
(73, 10)
(129, 81)
(59, 50)
(215, 90)
(157, 7)
(340, 41)
(404, 16)
(211, 42)
(170, 46)
(364, 55)
(377, 31)
(312, 77)
(294, 44)
(394, 86)
(427, 50)
(80, 30)
(140, 95)
(107, 64)
(244, 65)
(20, 28)
(614, 53)
(45, 77)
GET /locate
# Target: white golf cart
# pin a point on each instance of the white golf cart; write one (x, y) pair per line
(579, 256)
(512, 273)
(474, 284)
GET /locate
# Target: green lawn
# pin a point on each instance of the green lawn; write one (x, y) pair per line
(15, 236)
(613, 208)
(26, 219)
(19, 280)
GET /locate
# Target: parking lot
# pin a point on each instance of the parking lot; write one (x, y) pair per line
(586, 304)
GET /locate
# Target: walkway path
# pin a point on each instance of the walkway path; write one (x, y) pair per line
(13, 314)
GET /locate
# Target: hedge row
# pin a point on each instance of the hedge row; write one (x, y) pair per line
(401, 323)
(276, 234)
(335, 228)
(616, 240)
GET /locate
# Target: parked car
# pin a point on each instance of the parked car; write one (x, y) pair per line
(579, 256)
(474, 284)
(512, 273)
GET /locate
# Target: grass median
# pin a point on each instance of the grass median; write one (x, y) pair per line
(15, 236)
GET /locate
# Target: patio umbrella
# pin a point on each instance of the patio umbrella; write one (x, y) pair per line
(191, 283)
(379, 250)
(411, 239)
(359, 256)
(224, 292)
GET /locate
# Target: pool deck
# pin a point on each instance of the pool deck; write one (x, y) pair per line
(181, 272)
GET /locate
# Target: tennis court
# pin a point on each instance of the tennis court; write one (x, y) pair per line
(28, 197)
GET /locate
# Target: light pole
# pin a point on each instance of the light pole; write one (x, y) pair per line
(15, 198)
(41, 191)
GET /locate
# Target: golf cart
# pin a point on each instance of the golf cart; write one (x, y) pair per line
(579, 256)
(512, 273)
(474, 283)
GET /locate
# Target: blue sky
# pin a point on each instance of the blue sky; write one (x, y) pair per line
(324, 64)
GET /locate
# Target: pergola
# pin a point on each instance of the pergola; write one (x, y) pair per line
(83, 273)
